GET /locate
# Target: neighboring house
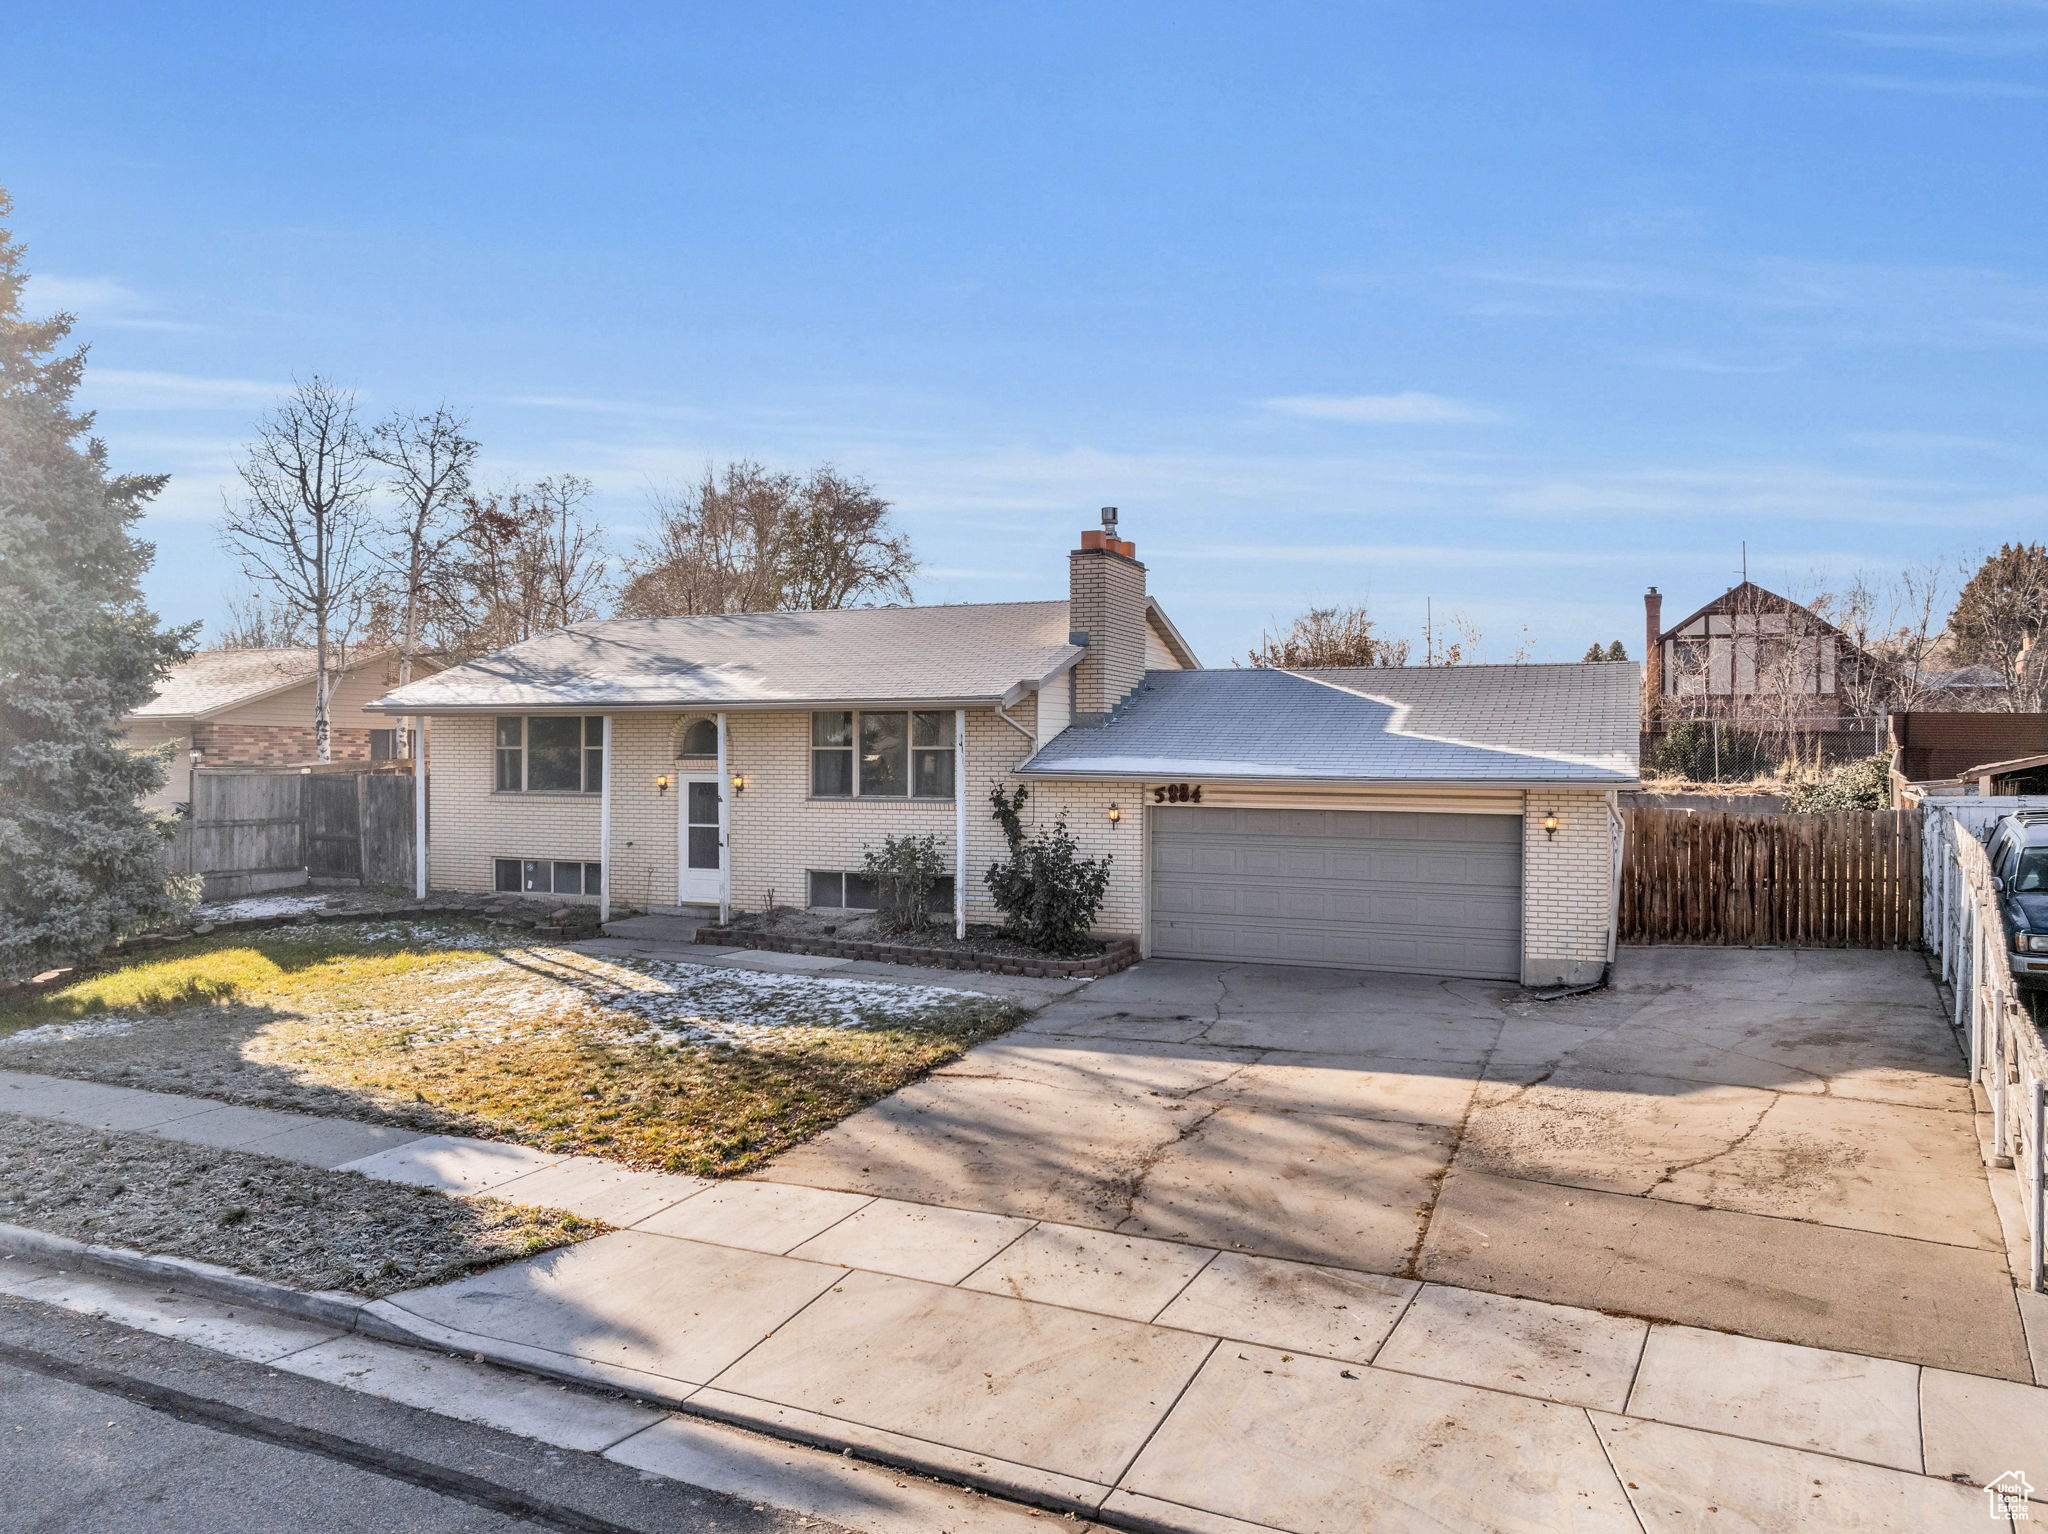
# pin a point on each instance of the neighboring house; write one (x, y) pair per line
(1956, 753)
(1748, 655)
(254, 708)
(1455, 821)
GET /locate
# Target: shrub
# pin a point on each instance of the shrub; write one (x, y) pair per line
(1048, 893)
(1687, 750)
(904, 872)
(1864, 785)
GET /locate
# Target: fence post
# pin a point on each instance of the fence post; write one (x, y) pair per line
(2038, 1119)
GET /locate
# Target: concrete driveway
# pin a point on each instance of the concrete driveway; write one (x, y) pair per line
(1771, 1142)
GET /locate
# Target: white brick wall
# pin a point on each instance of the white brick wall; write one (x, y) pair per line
(1567, 886)
(779, 832)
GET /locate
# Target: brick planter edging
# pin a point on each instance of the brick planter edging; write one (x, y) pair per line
(1121, 953)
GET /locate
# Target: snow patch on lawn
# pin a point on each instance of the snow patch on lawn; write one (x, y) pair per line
(652, 1001)
(255, 907)
(64, 1033)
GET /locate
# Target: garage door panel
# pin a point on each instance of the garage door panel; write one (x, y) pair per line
(1435, 894)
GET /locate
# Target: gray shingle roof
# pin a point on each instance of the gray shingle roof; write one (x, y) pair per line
(967, 653)
(1441, 724)
(217, 679)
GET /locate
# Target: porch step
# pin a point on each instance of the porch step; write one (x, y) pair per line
(657, 929)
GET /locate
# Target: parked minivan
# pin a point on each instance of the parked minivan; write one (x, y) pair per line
(2019, 865)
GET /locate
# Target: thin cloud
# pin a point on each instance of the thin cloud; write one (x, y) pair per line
(102, 300)
(1961, 45)
(122, 389)
(1410, 409)
(1911, 85)
(1695, 362)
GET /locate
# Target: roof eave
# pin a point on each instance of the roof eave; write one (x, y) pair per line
(1122, 775)
(678, 705)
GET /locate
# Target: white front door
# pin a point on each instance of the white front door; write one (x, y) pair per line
(700, 859)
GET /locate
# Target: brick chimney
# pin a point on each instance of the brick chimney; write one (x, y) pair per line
(1106, 602)
(1653, 653)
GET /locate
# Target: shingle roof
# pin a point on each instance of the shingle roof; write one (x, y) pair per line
(217, 679)
(1444, 724)
(967, 653)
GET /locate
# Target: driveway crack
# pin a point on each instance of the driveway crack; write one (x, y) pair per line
(1411, 1267)
(1729, 1149)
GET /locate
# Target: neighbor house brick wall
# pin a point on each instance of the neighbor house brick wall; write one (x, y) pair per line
(275, 745)
(1567, 886)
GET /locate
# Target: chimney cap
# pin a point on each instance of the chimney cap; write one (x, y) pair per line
(1109, 516)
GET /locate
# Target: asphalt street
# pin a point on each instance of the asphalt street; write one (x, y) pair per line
(105, 1431)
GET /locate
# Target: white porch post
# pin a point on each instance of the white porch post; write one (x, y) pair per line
(604, 827)
(959, 822)
(724, 829)
(419, 807)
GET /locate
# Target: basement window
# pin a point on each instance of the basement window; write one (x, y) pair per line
(543, 876)
(856, 892)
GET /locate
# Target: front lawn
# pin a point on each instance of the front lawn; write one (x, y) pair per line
(456, 1027)
(293, 1224)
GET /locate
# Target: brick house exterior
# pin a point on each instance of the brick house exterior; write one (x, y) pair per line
(1022, 677)
(254, 708)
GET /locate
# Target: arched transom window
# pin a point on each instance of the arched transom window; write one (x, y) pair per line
(697, 738)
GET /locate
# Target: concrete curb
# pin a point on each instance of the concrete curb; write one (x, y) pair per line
(328, 1307)
(385, 1322)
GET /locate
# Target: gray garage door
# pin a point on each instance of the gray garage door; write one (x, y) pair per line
(1356, 889)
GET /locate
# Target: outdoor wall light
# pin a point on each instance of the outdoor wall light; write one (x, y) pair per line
(662, 781)
(739, 782)
(1115, 814)
(197, 756)
(1550, 826)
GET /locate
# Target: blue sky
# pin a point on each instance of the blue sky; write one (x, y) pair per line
(1510, 307)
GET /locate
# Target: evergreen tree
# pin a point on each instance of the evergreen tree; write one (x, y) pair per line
(2000, 618)
(80, 862)
(1617, 651)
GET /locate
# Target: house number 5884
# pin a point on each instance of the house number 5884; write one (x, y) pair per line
(1177, 793)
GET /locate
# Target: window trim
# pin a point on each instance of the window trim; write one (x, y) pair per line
(589, 750)
(947, 753)
(521, 887)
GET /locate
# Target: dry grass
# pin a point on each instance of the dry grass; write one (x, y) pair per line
(451, 1026)
(298, 1225)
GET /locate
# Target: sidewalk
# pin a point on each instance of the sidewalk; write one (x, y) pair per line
(1166, 1385)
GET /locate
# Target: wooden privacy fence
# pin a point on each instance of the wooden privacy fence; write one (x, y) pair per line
(1847, 880)
(253, 831)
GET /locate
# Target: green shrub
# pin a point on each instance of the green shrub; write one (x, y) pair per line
(1864, 785)
(1687, 750)
(905, 872)
(1048, 893)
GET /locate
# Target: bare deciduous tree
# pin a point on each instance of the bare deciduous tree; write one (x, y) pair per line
(526, 561)
(752, 539)
(429, 457)
(1327, 636)
(256, 624)
(303, 526)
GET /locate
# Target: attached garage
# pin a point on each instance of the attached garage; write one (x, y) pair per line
(1431, 820)
(1420, 893)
